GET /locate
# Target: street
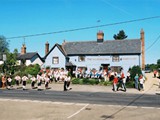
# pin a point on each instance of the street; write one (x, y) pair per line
(81, 103)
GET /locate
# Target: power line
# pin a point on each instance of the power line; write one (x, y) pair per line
(158, 38)
(84, 28)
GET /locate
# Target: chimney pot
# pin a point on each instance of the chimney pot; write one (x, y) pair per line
(46, 48)
(100, 36)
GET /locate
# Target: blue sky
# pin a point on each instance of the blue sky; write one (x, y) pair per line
(25, 17)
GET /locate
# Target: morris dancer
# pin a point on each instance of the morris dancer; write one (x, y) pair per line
(39, 81)
(18, 79)
(33, 81)
(47, 82)
(24, 79)
(9, 80)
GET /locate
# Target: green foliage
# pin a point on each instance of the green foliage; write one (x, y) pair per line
(135, 70)
(75, 81)
(3, 45)
(151, 67)
(85, 81)
(120, 36)
(32, 69)
(107, 83)
(158, 63)
(130, 84)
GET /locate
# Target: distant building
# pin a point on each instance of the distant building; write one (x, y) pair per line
(29, 58)
(113, 54)
(26, 58)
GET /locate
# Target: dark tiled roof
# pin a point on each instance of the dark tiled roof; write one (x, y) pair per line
(107, 47)
(59, 47)
(27, 56)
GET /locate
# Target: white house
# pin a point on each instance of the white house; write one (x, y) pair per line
(114, 54)
(29, 57)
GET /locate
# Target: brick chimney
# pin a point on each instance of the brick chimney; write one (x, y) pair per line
(143, 49)
(23, 49)
(46, 48)
(100, 36)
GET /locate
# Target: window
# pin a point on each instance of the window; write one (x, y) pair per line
(55, 60)
(81, 58)
(115, 58)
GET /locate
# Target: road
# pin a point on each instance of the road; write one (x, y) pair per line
(84, 103)
(125, 99)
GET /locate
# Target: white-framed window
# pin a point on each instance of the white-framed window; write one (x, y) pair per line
(81, 58)
(115, 58)
(55, 60)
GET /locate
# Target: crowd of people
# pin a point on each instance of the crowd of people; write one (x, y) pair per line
(45, 77)
(119, 80)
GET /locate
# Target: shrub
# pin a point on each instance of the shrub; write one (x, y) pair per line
(85, 81)
(33, 69)
(75, 81)
(135, 70)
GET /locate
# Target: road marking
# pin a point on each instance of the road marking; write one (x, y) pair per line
(78, 111)
(68, 103)
(132, 106)
(11, 92)
(57, 103)
(148, 107)
(80, 104)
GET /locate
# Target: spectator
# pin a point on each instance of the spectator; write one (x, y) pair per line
(141, 82)
(136, 78)
(115, 81)
(155, 73)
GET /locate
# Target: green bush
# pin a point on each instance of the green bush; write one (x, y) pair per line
(75, 81)
(85, 81)
(106, 83)
(130, 84)
(135, 70)
(33, 69)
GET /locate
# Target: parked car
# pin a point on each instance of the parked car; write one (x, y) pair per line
(147, 70)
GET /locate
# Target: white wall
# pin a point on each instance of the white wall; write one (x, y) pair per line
(126, 61)
(55, 53)
(1, 62)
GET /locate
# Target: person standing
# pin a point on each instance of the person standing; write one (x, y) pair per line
(155, 73)
(115, 81)
(3, 81)
(128, 76)
(136, 79)
(141, 82)
(123, 81)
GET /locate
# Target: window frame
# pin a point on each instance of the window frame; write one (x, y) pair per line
(55, 60)
(115, 58)
(81, 58)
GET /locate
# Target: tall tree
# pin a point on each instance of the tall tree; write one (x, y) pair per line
(120, 36)
(158, 63)
(3, 45)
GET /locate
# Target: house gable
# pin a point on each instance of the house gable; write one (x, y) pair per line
(55, 53)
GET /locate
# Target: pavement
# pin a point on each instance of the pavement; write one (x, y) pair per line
(151, 87)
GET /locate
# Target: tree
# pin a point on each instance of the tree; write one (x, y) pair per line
(11, 61)
(158, 63)
(120, 36)
(3, 45)
(135, 70)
